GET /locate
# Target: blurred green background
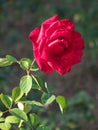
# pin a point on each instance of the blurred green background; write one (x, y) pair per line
(17, 19)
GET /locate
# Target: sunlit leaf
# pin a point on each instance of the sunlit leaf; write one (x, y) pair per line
(5, 62)
(25, 63)
(62, 102)
(17, 93)
(26, 83)
(33, 103)
(2, 119)
(11, 58)
(47, 99)
(50, 99)
(6, 100)
(5, 126)
(12, 119)
(1, 113)
(27, 108)
(19, 114)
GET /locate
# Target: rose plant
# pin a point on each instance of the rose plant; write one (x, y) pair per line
(57, 47)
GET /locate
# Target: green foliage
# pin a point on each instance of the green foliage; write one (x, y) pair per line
(19, 114)
(47, 99)
(26, 83)
(18, 111)
(5, 126)
(6, 100)
(62, 102)
(1, 113)
(11, 58)
(34, 119)
(17, 93)
(25, 63)
(37, 82)
(4, 62)
(12, 119)
(33, 103)
(2, 119)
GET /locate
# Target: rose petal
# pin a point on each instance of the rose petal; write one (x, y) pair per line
(79, 43)
(34, 34)
(56, 47)
(45, 25)
(61, 66)
(68, 24)
(42, 63)
(51, 20)
(60, 35)
(52, 28)
(77, 57)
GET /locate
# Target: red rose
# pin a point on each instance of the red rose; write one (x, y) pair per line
(57, 46)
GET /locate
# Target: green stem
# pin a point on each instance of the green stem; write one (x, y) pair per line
(20, 124)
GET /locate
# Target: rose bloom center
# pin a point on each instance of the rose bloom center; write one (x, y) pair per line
(58, 46)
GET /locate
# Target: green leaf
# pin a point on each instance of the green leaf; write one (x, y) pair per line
(26, 83)
(2, 119)
(25, 63)
(37, 103)
(38, 81)
(35, 86)
(33, 103)
(47, 99)
(62, 102)
(43, 128)
(6, 100)
(27, 108)
(50, 99)
(17, 93)
(44, 98)
(5, 126)
(12, 119)
(34, 119)
(5, 62)
(11, 58)
(19, 114)
(1, 113)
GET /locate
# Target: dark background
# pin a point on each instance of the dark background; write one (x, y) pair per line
(19, 17)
